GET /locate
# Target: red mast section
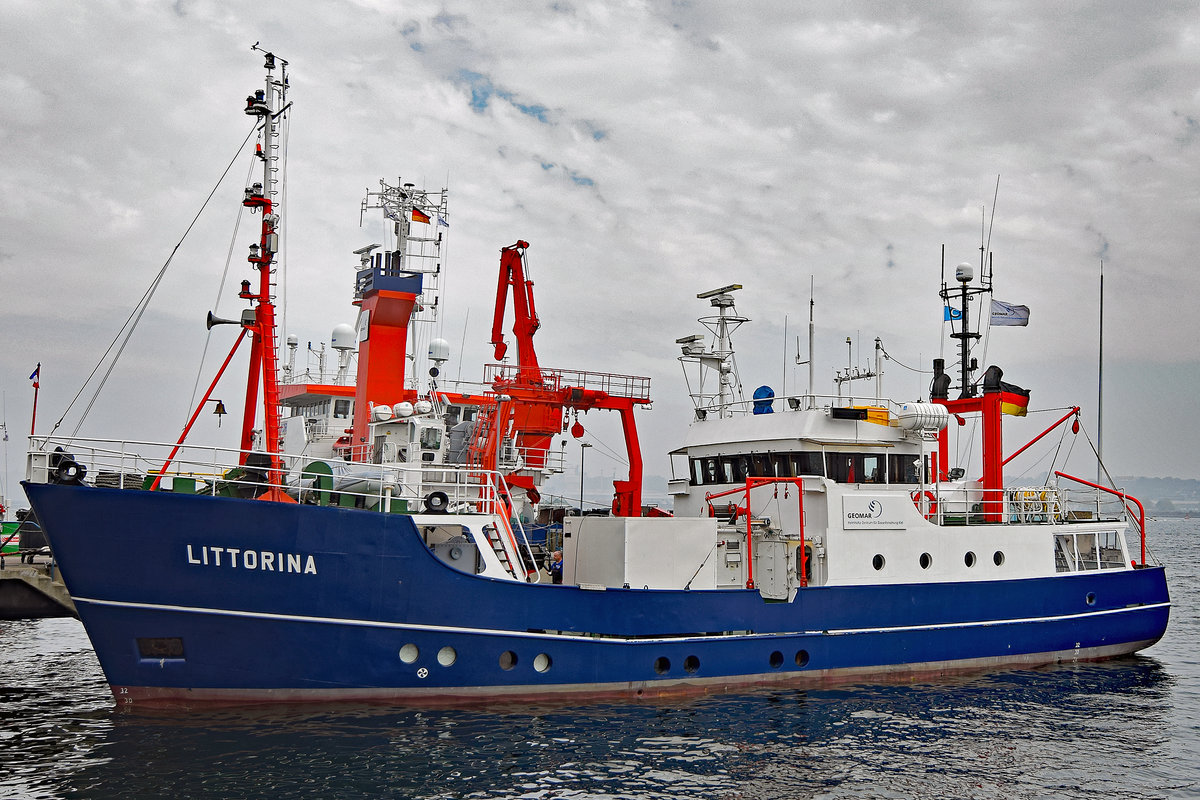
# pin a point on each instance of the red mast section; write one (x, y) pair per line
(268, 105)
(263, 352)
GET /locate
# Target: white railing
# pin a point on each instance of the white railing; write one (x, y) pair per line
(1018, 505)
(134, 464)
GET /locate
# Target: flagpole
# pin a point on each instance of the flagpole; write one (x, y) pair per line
(1100, 389)
(37, 382)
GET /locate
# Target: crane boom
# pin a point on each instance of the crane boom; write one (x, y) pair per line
(525, 318)
(535, 399)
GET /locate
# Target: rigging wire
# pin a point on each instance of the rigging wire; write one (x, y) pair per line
(900, 364)
(237, 224)
(135, 316)
(604, 449)
(1103, 468)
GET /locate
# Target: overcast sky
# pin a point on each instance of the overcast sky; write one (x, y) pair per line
(648, 151)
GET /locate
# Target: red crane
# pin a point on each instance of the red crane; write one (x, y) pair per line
(539, 398)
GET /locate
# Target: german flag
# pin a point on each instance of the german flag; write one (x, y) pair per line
(419, 216)
(1013, 400)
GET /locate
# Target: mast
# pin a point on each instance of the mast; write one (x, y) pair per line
(268, 105)
(1100, 389)
(716, 362)
(812, 284)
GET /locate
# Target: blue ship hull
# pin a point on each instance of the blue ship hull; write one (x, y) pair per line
(200, 598)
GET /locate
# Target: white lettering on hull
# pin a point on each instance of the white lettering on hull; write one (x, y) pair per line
(252, 560)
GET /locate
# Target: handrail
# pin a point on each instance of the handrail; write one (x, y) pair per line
(210, 463)
(502, 502)
(1124, 497)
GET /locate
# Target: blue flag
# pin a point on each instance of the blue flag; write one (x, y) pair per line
(951, 313)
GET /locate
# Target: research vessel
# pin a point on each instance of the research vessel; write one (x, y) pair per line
(372, 544)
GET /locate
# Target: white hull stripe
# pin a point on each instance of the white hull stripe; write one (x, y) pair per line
(605, 640)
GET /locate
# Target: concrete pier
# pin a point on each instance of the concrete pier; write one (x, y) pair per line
(32, 591)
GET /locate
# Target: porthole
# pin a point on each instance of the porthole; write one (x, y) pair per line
(447, 656)
(662, 665)
(776, 660)
(969, 559)
(1091, 598)
(801, 658)
(542, 662)
(508, 660)
(926, 561)
(409, 653)
(691, 665)
(998, 558)
(878, 561)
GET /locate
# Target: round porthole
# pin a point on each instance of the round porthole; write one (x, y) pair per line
(409, 653)
(969, 559)
(998, 558)
(508, 660)
(776, 660)
(801, 658)
(926, 561)
(1091, 598)
(691, 665)
(542, 662)
(878, 561)
(662, 665)
(447, 656)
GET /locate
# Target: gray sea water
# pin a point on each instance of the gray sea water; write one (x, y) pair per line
(1124, 729)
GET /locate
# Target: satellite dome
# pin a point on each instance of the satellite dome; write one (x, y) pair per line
(344, 337)
(439, 351)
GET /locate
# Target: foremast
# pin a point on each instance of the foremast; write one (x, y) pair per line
(268, 104)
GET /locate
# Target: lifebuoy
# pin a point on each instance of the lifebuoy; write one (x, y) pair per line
(437, 502)
(931, 509)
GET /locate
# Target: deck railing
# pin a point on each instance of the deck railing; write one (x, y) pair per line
(131, 464)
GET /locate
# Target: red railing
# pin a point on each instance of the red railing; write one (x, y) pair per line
(1141, 511)
(751, 483)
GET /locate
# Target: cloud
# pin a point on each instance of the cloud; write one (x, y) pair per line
(648, 151)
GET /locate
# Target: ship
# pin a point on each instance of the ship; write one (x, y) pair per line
(373, 545)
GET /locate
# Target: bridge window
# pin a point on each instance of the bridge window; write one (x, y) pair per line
(734, 469)
(1111, 555)
(904, 468)
(713, 470)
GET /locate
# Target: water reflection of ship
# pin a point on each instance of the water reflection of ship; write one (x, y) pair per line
(1011, 724)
